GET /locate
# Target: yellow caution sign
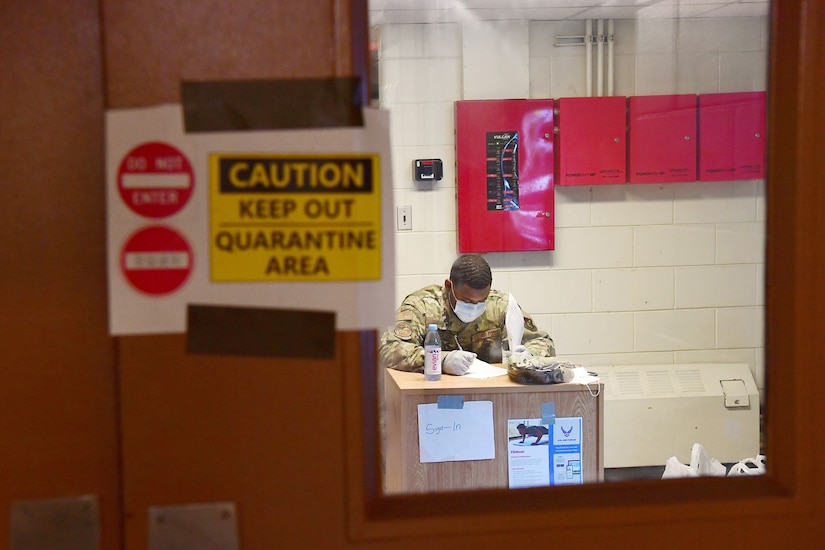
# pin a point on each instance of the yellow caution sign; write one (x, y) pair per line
(295, 218)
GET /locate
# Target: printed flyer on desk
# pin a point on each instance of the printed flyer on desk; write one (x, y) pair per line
(544, 454)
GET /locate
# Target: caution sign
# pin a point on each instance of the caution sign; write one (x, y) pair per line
(155, 179)
(295, 218)
(156, 260)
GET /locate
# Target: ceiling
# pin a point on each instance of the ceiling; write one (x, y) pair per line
(450, 11)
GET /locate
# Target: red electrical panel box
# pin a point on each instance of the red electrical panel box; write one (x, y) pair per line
(592, 138)
(732, 143)
(662, 142)
(504, 157)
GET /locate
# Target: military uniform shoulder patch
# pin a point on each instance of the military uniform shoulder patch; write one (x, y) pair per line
(403, 330)
(405, 315)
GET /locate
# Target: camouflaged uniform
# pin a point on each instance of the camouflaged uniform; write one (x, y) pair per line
(402, 346)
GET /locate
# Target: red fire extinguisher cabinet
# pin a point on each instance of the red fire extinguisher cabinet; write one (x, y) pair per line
(592, 140)
(662, 138)
(732, 136)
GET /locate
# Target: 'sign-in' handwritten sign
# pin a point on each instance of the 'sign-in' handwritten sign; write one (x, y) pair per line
(446, 435)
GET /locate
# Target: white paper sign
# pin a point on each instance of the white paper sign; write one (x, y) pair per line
(446, 435)
(160, 249)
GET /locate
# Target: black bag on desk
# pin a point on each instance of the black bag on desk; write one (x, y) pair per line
(527, 369)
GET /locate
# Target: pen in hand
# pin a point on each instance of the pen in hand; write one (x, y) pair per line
(457, 343)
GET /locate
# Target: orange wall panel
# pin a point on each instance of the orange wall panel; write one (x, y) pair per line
(58, 423)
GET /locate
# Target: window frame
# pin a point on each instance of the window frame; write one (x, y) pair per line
(794, 76)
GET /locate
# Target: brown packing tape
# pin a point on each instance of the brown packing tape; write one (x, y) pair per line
(228, 330)
(223, 106)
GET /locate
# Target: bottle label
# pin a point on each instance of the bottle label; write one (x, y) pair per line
(432, 360)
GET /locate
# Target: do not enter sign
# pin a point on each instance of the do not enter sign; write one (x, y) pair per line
(155, 179)
(156, 260)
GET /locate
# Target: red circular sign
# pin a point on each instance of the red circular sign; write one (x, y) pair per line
(156, 260)
(155, 179)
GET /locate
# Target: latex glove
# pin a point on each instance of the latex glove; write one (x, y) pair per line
(522, 349)
(458, 362)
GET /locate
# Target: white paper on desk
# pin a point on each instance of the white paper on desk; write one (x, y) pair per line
(514, 323)
(483, 370)
(447, 435)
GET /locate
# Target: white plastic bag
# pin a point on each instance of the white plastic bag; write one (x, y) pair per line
(701, 464)
(674, 469)
(704, 465)
(749, 467)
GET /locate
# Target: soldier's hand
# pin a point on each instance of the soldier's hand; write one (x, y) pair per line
(458, 362)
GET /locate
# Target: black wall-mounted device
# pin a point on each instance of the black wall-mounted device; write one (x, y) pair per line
(427, 170)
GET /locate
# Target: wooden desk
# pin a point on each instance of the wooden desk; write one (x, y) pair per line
(404, 391)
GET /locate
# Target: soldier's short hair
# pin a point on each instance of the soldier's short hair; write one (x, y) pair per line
(472, 270)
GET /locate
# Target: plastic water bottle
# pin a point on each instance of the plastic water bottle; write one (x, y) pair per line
(432, 354)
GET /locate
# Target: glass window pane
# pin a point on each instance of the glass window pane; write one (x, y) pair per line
(656, 285)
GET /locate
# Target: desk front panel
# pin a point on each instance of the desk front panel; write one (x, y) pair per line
(404, 392)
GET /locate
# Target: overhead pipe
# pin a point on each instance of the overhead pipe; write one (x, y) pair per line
(611, 39)
(588, 57)
(600, 57)
(600, 38)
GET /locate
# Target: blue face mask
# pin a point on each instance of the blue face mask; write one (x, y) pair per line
(466, 311)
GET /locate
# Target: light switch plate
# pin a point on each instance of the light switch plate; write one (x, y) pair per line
(404, 218)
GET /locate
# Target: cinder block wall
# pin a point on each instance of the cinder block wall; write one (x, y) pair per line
(641, 274)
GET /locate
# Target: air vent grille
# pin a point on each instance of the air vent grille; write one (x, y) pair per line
(690, 380)
(660, 381)
(629, 383)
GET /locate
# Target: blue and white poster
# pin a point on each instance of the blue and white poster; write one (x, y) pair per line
(566, 451)
(544, 454)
